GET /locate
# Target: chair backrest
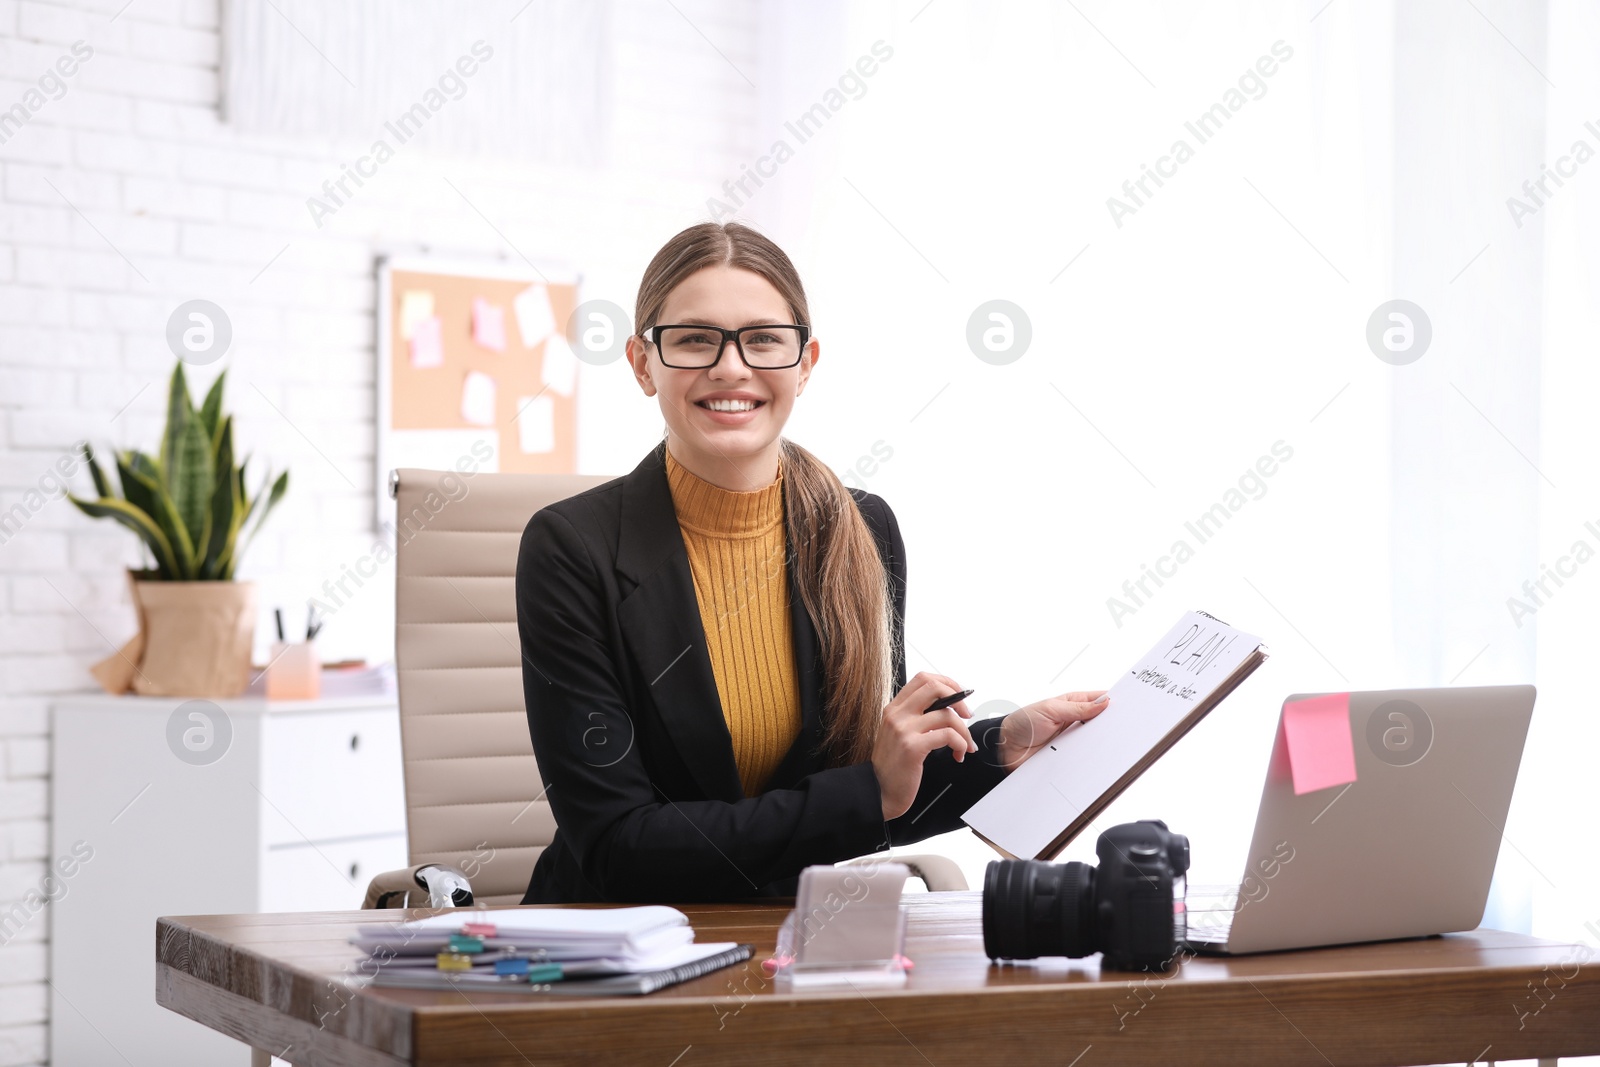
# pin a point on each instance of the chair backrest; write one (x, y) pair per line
(473, 793)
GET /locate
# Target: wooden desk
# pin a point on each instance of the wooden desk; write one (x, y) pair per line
(265, 980)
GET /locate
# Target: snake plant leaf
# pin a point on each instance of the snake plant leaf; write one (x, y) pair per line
(179, 411)
(211, 409)
(151, 497)
(187, 500)
(145, 464)
(125, 513)
(230, 560)
(279, 487)
(101, 484)
(138, 476)
(225, 515)
(191, 478)
(243, 507)
(250, 502)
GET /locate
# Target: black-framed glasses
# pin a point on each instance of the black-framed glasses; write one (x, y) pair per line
(771, 346)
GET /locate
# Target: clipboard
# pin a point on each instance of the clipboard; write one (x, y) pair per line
(1047, 801)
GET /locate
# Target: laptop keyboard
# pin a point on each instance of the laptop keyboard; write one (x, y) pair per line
(1210, 910)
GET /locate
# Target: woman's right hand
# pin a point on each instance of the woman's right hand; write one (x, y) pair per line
(906, 735)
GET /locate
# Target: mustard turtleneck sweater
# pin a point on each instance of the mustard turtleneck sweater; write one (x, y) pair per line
(736, 551)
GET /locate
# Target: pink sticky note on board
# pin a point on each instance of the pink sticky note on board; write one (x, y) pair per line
(1321, 750)
(488, 324)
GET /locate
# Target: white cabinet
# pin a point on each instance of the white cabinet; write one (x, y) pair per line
(177, 807)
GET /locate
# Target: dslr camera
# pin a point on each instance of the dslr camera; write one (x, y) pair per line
(1130, 908)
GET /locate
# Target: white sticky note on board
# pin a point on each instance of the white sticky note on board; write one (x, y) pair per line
(477, 399)
(559, 368)
(415, 305)
(535, 319)
(427, 343)
(536, 425)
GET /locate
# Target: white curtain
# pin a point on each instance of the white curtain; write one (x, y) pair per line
(1467, 473)
(1176, 344)
(1555, 803)
(348, 69)
(1223, 317)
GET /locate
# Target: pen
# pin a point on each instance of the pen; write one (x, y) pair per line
(945, 702)
(277, 613)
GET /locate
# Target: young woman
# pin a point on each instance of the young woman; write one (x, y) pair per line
(712, 645)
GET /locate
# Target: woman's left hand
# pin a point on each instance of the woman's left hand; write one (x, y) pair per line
(1027, 730)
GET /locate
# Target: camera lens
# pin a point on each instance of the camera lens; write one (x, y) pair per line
(1033, 909)
(1130, 908)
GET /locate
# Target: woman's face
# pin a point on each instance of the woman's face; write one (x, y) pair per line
(729, 297)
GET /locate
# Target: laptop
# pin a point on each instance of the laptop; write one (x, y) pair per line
(1406, 850)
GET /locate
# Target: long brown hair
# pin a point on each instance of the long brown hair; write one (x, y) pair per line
(837, 568)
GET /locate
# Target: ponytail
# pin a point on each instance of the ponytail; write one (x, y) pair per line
(845, 588)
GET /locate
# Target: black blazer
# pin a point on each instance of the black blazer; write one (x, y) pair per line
(627, 725)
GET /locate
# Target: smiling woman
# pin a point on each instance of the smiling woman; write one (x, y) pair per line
(713, 645)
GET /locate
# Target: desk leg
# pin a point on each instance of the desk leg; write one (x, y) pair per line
(258, 1058)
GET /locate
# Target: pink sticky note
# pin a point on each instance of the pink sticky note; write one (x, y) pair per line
(427, 342)
(488, 324)
(1321, 751)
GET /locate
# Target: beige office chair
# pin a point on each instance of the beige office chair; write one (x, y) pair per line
(473, 795)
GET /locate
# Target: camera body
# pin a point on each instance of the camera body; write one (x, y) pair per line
(1130, 908)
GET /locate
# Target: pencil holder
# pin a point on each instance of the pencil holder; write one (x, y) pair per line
(294, 672)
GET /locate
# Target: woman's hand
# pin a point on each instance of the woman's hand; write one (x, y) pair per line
(906, 736)
(1027, 730)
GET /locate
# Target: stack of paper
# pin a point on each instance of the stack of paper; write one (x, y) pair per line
(583, 951)
(358, 679)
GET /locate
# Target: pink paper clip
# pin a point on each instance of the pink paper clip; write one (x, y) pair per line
(478, 929)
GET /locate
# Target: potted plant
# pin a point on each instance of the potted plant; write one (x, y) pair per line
(190, 509)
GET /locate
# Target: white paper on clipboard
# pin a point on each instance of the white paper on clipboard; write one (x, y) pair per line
(1039, 807)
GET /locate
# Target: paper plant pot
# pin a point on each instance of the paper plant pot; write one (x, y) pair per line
(194, 640)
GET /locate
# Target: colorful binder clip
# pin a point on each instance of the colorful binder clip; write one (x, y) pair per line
(454, 961)
(478, 929)
(533, 972)
(466, 943)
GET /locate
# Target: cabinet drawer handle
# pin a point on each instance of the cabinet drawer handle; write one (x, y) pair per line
(355, 869)
(355, 742)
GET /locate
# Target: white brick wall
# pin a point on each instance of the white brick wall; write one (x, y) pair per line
(156, 201)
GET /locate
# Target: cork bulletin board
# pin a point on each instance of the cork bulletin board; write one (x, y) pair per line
(475, 365)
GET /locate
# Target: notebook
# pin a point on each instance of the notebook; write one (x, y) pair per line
(571, 965)
(599, 951)
(393, 941)
(717, 956)
(562, 933)
(1042, 805)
